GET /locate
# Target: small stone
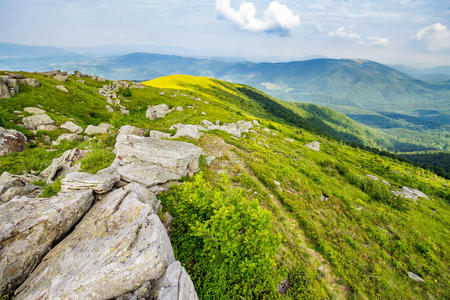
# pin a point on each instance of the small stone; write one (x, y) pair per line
(314, 146)
(179, 108)
(72, 127)
(47, 128)
(32, 122)
(415, 277)
(62, 88)
(103, 128)
(210, 159)
(34, 110)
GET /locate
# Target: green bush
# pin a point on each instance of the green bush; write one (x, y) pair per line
(226, 241)
(125, 92)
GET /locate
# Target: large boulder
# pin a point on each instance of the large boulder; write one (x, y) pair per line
(63, 165)
(100, 183)
(235, 129)
(33, 122)
(15, 185)
(28, 229)
(72, 127)
(118, 246)
(157, 111)
(11, 141)
(61, 77)
(177, 157)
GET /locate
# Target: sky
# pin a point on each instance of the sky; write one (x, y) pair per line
(415, 33)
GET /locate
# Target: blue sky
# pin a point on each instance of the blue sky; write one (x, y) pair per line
(394, 31)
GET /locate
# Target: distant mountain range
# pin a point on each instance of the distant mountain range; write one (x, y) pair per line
(393, 101)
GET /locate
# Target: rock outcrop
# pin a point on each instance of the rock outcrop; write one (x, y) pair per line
(11, 140)
(119, 245)
(196, 131)
(29, 227)
(119, 249)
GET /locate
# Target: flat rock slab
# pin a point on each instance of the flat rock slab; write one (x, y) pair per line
(14, 185)
(178, 157)
(29, 227)
(146, 175)
(118, 246)
(100, 183)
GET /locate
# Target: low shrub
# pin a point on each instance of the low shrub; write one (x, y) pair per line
(226, 241)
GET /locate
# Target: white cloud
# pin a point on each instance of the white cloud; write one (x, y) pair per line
(277, 17)
(432, 38)
(376, 42)
(370, 41)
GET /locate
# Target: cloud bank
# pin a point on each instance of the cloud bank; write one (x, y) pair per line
(432, 38)
(370, 41)
(277, 18)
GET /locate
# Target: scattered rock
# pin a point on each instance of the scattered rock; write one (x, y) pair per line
(162, 93)
(289, 140)
(255, 122)
(28, 229)
(11, 140)
(72, 127)
(100, 183)
(276, 182)
(81, 81)
(373, 177)
(157, 111)
(410, 193)
(63, 165)
(118, 246)
(62, 88)
(34, 110)
(130, 130)
(385, 182)
(109, 108)
(314, 146)
(68, 137)
(61, 77)
(415, 277)
(203, 113)
(179, 108)
(103, 128)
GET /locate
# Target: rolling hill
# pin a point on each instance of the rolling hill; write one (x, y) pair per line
(268, 216)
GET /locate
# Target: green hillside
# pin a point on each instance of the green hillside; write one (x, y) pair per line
(268, 210)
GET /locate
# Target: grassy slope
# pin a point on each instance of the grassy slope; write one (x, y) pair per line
(365, 245)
